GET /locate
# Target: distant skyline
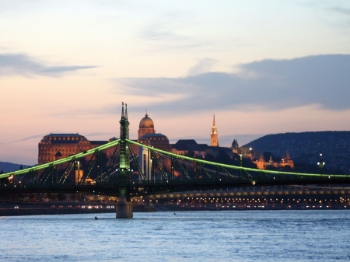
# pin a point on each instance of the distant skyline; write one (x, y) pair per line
(262, 67)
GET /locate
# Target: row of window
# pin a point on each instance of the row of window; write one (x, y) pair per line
(156, 138)
(66, 138)
(55, 149)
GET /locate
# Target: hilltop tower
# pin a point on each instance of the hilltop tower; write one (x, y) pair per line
(214, 137)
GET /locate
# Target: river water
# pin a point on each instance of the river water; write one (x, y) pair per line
(292, 235)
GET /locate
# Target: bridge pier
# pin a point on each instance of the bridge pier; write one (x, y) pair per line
(124, 208)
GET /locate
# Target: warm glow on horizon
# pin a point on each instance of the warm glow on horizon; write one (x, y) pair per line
(65, 67)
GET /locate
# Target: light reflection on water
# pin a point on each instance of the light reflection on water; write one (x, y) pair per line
(312, 235)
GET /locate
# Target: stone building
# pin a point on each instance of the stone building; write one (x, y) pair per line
(56, 146)
(214, 136)
(148, 136)
(285, 162)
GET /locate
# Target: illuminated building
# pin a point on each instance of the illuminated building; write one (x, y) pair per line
(285, 162)
(146, 126)
(56, 146)
(246, 152)
(214, 136)
(148, 136)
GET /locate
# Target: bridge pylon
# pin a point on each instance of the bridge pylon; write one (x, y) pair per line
(124, 205)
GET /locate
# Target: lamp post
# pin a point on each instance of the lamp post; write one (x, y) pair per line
(240, 171)
(321, 163)
(77, 173)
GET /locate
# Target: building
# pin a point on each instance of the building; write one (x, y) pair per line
(214, 136)
(146, 126)
(188, 147)
(147, 135)
(284, 163)
(246, 152)
(56, 146)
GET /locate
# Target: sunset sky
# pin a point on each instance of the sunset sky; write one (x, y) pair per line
(262, 67)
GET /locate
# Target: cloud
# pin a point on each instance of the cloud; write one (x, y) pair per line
(267, 84)
(24, 139)
(21, 64)
(100, 134)
(203, 66)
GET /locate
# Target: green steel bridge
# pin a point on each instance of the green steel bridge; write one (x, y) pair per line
(136, 169)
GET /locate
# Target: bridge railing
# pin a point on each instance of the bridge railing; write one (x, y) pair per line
(60, 161)
(240, 168)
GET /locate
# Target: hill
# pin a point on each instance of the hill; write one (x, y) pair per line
(306, 147)
(9, 167)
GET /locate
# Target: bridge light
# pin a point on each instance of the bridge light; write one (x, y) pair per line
(253, 183)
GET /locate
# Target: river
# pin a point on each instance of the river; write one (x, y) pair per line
(290, 235)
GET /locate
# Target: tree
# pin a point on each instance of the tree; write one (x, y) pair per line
(224, 158)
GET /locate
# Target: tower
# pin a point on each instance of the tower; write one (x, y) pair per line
(124, 134)
(124, 205)
(214, 137)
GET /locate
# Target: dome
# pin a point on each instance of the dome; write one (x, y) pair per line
(146, 122)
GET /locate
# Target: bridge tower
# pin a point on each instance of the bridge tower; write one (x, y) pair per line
(124, 205)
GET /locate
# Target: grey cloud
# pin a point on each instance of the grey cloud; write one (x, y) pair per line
(164, 27)
(203, 66)
(36, 137)
(99, 134)
(167, 32)
(21, 64)
(266, 84)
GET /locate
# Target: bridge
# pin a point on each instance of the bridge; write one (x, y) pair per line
(135, 169)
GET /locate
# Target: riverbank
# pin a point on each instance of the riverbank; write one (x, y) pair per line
(48, 211)
(61, 208)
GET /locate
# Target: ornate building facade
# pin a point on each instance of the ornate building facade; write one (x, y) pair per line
(146, 126)
(148, 136)
(285, 162)
(55, 146)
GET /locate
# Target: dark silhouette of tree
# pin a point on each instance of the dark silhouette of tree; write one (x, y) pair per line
(223, 158)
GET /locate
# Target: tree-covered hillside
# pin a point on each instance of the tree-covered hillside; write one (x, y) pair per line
(306, 147)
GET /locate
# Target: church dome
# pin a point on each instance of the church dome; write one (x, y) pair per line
(146, 122)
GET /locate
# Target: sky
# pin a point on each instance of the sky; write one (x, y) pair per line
(262, 67)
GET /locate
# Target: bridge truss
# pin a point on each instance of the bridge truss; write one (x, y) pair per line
(149, 171)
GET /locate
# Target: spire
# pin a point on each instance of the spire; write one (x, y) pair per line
(146, 115)
(126, 111)
(122, 110)
(214, 139)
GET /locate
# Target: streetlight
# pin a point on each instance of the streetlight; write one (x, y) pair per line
(240, 171)
(321, 163)
(77, 175)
